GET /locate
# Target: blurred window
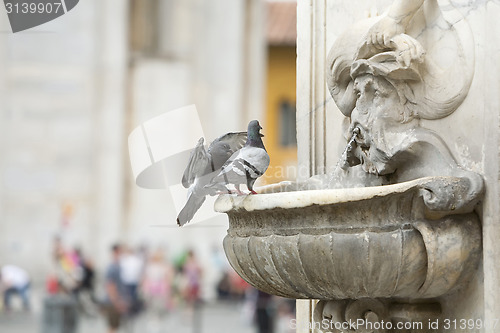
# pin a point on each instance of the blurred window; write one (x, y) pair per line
(143, 37)
(287, 123)
(163, 28)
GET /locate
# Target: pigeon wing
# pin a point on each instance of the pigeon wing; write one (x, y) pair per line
(235, 141)
(222, 148)
(198, 161)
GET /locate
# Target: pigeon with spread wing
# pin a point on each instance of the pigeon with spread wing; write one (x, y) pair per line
(202, 167)
(245, 165)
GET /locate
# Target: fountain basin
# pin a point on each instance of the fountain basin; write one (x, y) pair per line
(382, 241)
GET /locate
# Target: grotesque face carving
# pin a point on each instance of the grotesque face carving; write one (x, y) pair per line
(377, 103)
(381, 120)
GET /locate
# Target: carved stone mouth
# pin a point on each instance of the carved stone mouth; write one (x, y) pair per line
(371, 158)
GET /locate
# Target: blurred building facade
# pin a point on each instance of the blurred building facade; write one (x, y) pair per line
(281, 136)
(73, 89)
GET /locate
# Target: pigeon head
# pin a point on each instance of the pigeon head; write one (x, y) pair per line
(254, 135)
(254, 128)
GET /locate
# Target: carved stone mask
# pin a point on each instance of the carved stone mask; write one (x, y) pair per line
(381, 119)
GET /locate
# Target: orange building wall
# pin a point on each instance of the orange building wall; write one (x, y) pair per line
(281, 78)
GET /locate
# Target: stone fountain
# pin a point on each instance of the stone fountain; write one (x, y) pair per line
(394, 227)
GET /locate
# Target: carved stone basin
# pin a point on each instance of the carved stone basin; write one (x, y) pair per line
(377, 242)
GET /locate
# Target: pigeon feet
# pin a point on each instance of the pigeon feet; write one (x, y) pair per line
(223, 192)
(238, 192)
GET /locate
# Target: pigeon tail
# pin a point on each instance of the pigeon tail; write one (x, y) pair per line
(192, 205)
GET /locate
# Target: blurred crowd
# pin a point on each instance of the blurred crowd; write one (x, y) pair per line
(134, 280)
(137, 280)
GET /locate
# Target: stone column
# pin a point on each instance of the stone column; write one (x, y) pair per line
(110, 88)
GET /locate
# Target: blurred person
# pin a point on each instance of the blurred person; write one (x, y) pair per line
(52, 284)
(179, 281)
(84, 289)
(131, 270)
(231, 286)
(68, 270)
(238, 285)
(224, 287)
(178, 284)
(264, 317)
(249, 306)
(117, 303)
(157, 283)
(14, 280)
(88, 277)
(286, 313)
(180, 261)
(192, 274)
(57, 248)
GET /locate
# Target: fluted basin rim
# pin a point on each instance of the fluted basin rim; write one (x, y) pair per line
(300, 199)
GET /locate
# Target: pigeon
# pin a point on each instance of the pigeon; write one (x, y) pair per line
(245, 165)
(202, 167)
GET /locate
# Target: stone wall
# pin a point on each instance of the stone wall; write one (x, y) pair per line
(71, 92)
(62, 134)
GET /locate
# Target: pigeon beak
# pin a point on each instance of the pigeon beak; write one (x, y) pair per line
(261, 135)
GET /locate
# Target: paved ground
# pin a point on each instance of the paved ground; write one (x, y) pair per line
(213, 318)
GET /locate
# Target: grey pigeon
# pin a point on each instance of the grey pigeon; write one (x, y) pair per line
(202, 167)
(245, 165)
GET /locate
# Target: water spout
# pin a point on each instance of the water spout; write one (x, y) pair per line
(347, 159)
